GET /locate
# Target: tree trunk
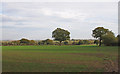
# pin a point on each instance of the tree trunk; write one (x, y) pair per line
(100, 42)
(60, 43)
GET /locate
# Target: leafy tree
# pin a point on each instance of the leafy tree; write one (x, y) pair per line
(4, 43)
(74, 43)
(98, 33)
(60, 35)
(66, 42)
(56, 43)
(81, 42)
(16, 42)
(24, 41)
(109, 39)
(49, 42)
(118, 38)
(85, 41)
(40, 43)
(32, 42)
(72, 39)
(96, 42)
(91, 41)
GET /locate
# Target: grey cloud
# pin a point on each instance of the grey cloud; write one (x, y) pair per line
(38, 20)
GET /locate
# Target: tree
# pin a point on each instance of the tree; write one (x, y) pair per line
(118, 39)
(60, 35)
(49, 42)
(24, 41)
(75, 43)
(86, 41)
(81, 42)
(91, 41)
(32, 42)
(96, 42)
(40, 43)
(109, 39)
(99, 32)
(66, 42)
(16, 42)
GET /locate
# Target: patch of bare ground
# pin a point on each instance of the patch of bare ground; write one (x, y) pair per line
(110, 65)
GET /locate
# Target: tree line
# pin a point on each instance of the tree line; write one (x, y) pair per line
(62, 37)
(104, 36)
(24, 41)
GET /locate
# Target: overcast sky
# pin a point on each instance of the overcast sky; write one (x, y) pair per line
(37, 20)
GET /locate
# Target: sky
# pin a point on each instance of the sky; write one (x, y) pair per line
(37, 20)
(60, 0)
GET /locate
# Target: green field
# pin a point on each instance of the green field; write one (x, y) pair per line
(56, 58)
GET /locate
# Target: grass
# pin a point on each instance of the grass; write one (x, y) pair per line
(56, 58)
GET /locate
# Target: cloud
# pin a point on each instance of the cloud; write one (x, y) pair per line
(38, 20)
(7, 18)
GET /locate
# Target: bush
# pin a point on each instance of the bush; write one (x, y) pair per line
(96, 42)
(85, 41)
(49, 42)
(109, 39)
(65, 43)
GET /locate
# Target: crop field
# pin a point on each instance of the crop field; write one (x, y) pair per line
(51, 58)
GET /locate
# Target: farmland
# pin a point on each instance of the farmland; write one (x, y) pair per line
(53, 58)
